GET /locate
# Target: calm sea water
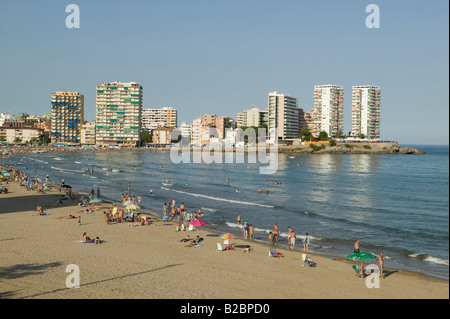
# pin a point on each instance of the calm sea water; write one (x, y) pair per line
(395, 204)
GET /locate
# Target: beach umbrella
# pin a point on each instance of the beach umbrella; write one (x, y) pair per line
(360, 256)
(95, 201)
(65, 186)
(6, 174)
(226, 236)
(197, 223)
(128, 202)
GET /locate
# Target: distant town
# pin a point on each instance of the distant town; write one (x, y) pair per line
(121, 120)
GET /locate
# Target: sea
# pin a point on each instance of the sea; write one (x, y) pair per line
(397, 205)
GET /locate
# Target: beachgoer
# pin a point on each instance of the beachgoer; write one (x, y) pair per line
(380, 264)
(85, 237)
(267, 191)
(289, 237)
(250, 231)
(245, 230)
(239, 219)
(259, 190)
(292, 243)
(306, 242)
(97, 240)
(356, 247)
(79, 220)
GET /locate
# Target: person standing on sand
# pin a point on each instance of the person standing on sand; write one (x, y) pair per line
(306, 243)
(289, 236)
(356, 247)
(246, 230)
(250, 231)
(292, 242)
(380, 264)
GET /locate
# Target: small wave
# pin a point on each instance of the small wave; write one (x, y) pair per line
(431, 259)
(66, 170)
(77, 162)
(233, 225)
(58, 159)
(218, 199)
(209, 209)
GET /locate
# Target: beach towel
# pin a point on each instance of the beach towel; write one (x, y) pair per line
(90, 241)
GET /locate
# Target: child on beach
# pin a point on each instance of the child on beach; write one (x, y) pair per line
(306, 242)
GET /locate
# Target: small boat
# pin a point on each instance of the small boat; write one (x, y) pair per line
(291, 156)
(270, 179)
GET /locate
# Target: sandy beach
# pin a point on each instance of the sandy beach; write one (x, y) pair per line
(149, 261)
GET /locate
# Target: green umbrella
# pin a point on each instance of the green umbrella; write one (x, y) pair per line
(361, 255)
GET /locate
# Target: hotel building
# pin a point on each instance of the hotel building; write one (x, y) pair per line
(328, 110)
(67, 117)
(154, 118)
(88, 133)
(282, 117)
(118, 114)
(366, 111)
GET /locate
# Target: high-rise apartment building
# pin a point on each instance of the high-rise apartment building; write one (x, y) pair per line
(154, 118)
(67, 117)
(328, 110)
(252, 117)
(118, 113)
(366, 111)
(88, 133)
(282, 117)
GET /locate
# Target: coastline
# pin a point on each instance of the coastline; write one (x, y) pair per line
(386, 148)
(44, 245)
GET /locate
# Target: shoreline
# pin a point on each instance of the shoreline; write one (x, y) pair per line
(323, 281)
(283, 243)
(261, 242)
(384, 148)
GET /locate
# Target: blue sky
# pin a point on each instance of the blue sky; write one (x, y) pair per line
(222, 57)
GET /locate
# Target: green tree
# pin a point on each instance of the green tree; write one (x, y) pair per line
(17, 140)
(146, 137)
(46, 139)
(332, 142)
(361, 135)
(306, 135)
(323, 136)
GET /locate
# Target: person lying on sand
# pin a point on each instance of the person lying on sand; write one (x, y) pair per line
(66, 217)
(185, 239)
